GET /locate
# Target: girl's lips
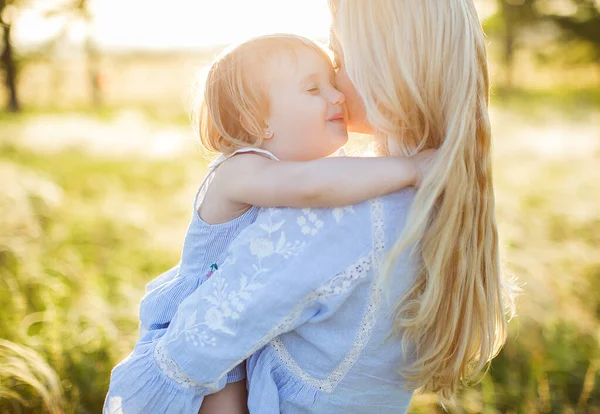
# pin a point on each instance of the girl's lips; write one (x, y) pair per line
(337, 117)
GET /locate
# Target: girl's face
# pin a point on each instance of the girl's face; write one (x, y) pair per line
(306, 112)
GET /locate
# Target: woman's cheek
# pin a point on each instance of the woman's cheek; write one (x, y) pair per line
(342, 82)
(357, 121)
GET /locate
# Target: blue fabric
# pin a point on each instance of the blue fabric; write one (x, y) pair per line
(203, 250)
(296, 297)
(204, 246)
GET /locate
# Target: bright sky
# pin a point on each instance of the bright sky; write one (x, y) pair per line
(183, 24)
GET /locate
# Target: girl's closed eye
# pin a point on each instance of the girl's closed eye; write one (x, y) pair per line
(313, 89)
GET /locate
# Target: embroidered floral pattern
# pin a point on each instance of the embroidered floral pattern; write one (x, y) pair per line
(338, 213)
(193, 334)
(226, 306)
(309, 222)
(226, 302)
(262, 248)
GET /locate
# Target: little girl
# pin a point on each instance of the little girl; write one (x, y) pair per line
(271, 110)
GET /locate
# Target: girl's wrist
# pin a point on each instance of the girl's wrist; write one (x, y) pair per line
(410, 170)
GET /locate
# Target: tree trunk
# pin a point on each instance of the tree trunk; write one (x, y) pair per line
(9, 66)
(509, 43)
(94, 74)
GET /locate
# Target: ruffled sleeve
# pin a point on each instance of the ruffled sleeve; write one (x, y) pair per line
(288, 267)
(139, 386)
(146, 315)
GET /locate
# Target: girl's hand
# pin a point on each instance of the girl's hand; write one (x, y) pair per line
(422, 163)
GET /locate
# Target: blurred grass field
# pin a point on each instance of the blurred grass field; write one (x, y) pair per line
(96, 203)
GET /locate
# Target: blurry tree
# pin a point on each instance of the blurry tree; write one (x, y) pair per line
(78, 11)
(514, 15)
(581, 25)
(577, 21)
(7, 59)
(73, 11)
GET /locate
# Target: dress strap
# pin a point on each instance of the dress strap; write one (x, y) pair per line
(221, 159)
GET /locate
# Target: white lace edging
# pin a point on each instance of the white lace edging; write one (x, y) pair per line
(346, 280)
(170, 368)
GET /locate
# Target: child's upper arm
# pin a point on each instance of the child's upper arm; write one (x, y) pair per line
(256, 180)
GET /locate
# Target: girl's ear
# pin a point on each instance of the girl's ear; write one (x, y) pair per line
(268, 133)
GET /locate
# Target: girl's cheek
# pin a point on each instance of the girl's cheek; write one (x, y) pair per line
(324, 103)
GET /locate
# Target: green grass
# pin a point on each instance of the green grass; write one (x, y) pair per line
(81, 234)
(81, 237)
(155, 112)
(574, 104)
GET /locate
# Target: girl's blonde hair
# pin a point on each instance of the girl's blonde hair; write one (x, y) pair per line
(421, 69)
(234, 106)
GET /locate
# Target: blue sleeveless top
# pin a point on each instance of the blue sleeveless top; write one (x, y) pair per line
(204, 250)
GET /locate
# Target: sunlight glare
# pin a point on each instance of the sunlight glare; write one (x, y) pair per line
(187, 25)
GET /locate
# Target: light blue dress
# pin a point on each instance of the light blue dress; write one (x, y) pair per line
(204, 248)
(296, 297)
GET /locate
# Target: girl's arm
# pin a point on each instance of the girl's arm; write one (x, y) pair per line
(329, 182)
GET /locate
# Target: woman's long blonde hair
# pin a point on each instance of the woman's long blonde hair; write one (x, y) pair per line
(421, 68)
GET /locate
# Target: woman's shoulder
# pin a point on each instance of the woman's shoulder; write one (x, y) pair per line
(400, 201)
(360, 216)
(311, 221)
(356, 218)
(328, 227)
(395, 211)
(289, 230)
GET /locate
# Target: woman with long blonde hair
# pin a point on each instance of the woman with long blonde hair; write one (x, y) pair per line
(349, 310)
(420, 70)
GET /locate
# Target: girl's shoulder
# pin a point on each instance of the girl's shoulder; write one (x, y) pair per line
(240, 167)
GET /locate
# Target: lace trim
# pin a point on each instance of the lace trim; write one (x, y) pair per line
(344, 281)
(172, 370)
(378, 231)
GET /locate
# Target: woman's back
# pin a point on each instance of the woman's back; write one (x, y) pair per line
(342, 360)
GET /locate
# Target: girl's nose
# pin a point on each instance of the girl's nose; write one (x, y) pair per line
(337, 97)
